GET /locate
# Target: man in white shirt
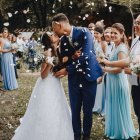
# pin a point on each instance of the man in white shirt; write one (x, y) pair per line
(135, 80)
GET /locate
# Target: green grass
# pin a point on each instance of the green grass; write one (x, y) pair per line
(13, 105)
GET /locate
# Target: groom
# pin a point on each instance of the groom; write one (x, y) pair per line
(82, 69)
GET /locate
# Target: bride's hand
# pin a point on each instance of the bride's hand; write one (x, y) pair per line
(61, 73)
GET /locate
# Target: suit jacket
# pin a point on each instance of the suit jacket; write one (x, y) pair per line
(86, 64)
(135, 50)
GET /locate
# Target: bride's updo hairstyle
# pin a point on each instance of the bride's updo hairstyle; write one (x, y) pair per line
(46, 41)
(121, 29)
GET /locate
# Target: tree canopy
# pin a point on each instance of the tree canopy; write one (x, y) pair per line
(38, 13)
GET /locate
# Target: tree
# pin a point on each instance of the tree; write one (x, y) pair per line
(38, 13)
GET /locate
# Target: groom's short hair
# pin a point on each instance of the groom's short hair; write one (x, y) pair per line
(60, 18)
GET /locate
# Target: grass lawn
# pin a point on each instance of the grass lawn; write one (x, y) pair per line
(13, 105)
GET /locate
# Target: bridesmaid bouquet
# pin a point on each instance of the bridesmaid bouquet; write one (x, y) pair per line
(100, 57)
(100, 54)
(135, 64)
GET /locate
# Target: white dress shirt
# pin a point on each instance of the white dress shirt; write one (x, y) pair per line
(135, 50)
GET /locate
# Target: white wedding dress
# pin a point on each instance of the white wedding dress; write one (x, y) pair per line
(48, 115)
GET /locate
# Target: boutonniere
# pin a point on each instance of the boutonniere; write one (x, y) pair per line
(76, 43)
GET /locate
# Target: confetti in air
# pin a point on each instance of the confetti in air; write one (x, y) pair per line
(110, 9)
(9, 14)
(71, 2)
(84, 18)
(86, 15)
(80, 85)
(28, 20)
(53, 11)
(16, 12)
(6, 24)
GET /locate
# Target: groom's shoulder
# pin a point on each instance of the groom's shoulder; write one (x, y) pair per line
(80, 29)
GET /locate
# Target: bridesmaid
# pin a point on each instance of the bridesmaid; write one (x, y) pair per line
(8, 72)
(100, 48)
(118, 120)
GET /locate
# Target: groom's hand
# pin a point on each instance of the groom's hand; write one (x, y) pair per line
(61, 73)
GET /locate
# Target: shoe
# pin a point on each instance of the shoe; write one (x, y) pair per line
(86, 138)
(77, 138)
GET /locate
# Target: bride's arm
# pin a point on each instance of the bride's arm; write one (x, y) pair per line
(46, 66)
(45, 69)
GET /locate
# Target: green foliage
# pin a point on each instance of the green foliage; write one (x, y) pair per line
(41, 11)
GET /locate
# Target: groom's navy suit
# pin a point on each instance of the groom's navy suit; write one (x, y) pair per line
(82, 75)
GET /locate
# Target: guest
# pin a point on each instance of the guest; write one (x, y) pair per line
(14, 47)
(20, 43)
(134, 80)
(100, 49)
(118, 109)
(8, 72)
(110, 44)
(91, 27)
(82, 71)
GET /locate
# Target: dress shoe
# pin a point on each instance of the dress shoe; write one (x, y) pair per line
(77, 138)
(86, 138)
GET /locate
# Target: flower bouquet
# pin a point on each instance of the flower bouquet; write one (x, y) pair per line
(100, 57)
(135, 64)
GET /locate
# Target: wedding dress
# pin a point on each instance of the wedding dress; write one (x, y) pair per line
(47, 116)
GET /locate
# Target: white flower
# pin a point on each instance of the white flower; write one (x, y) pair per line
(50, 60)
(76, 43)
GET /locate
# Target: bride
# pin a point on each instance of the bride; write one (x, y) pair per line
(47, 116)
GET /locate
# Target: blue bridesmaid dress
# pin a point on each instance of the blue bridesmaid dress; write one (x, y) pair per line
(118, 120)
(8, 71)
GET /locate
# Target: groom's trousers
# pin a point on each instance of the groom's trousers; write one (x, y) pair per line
(82, 94)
